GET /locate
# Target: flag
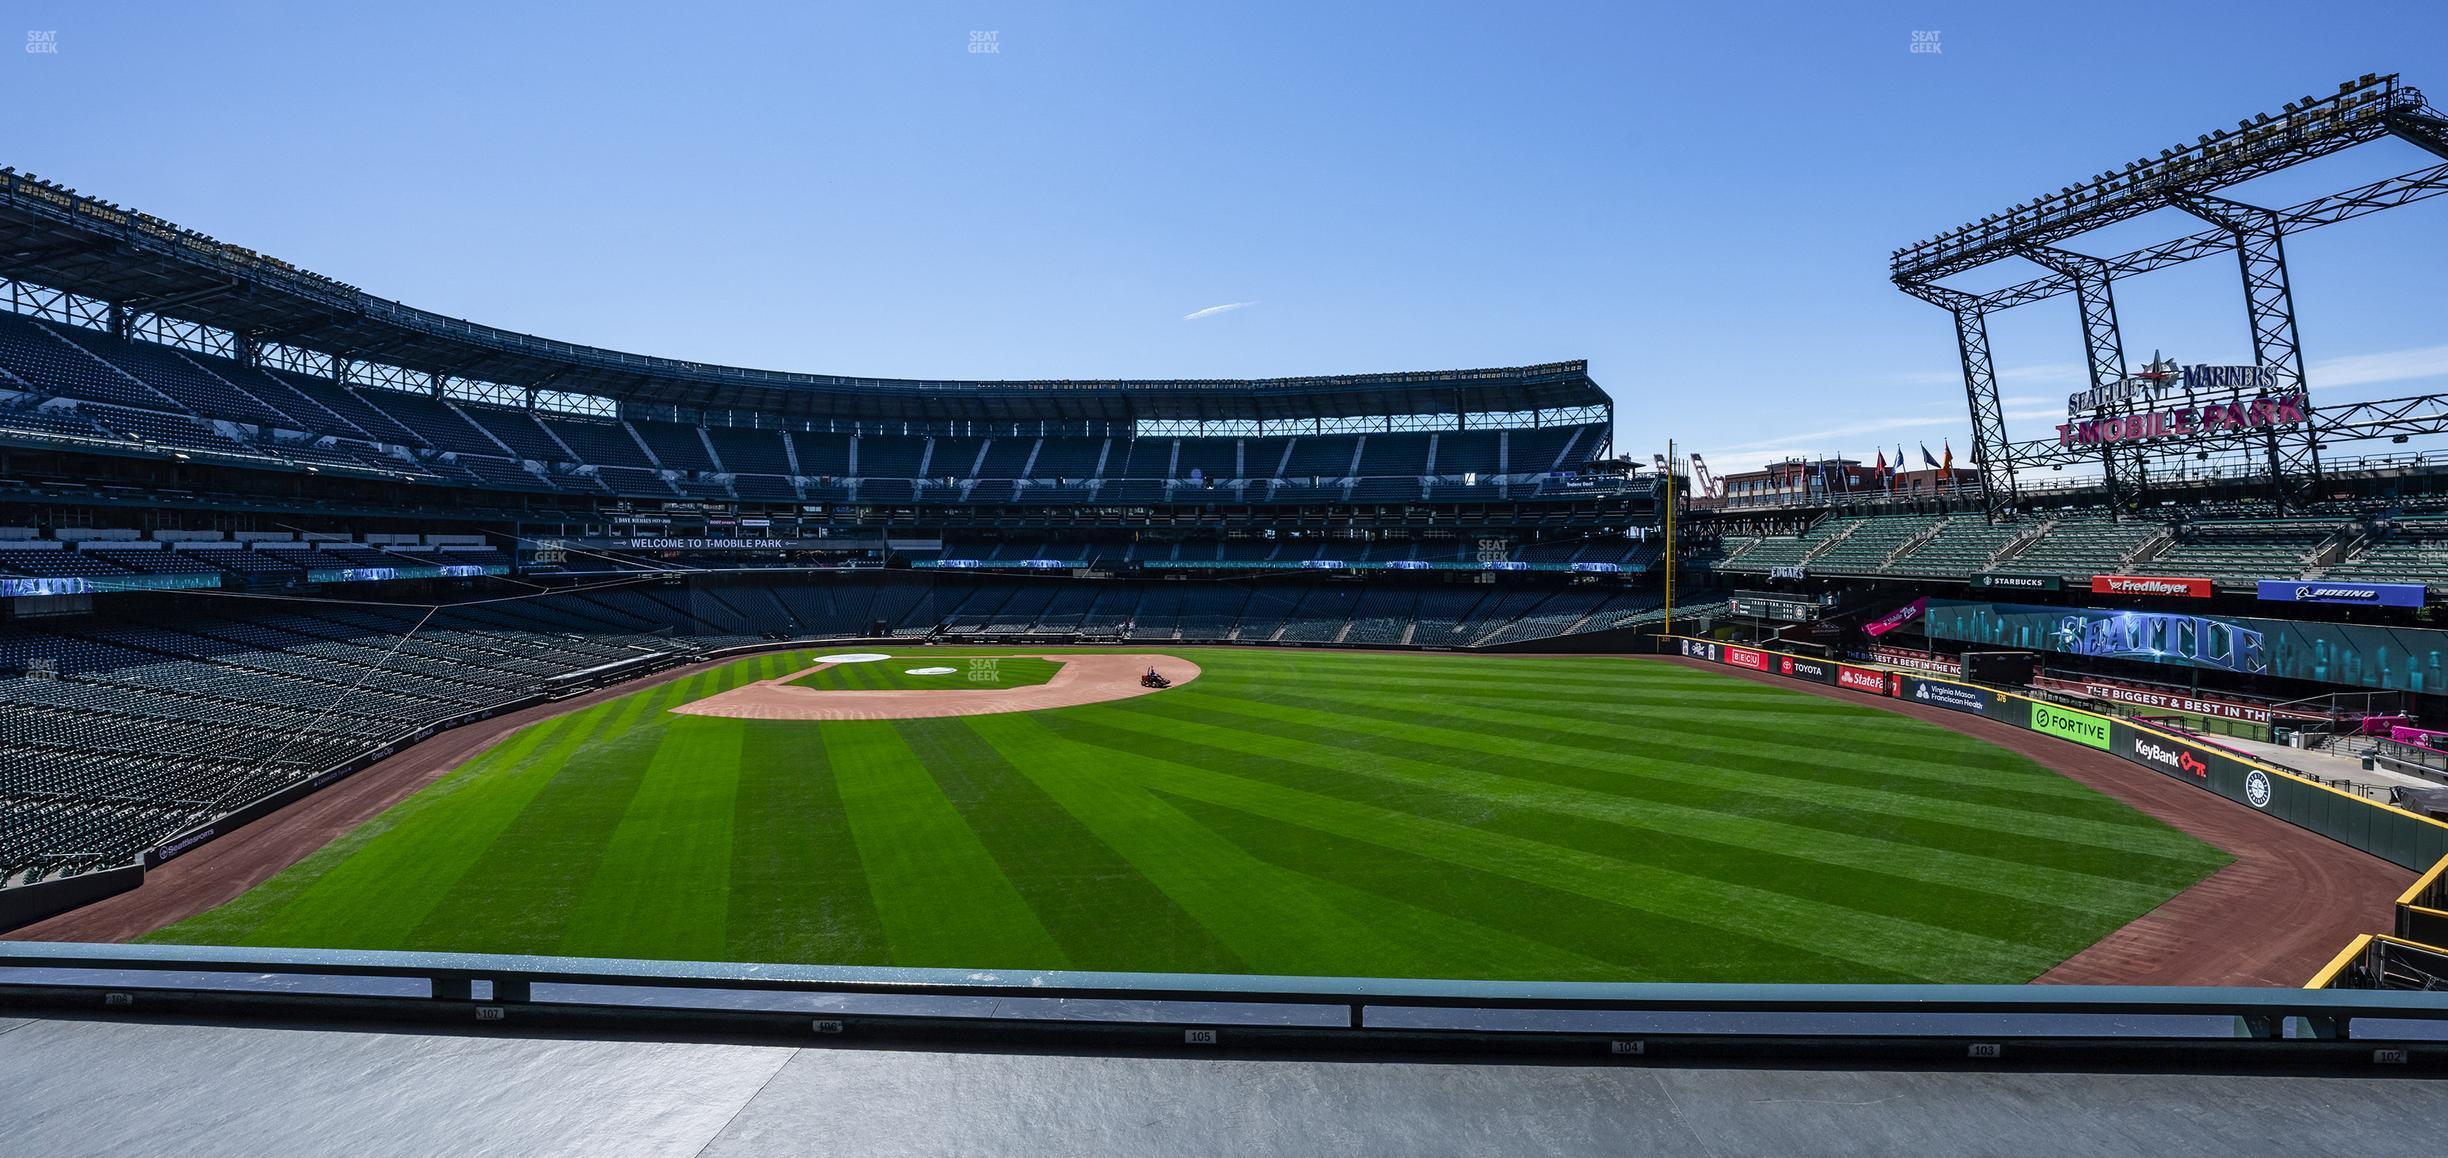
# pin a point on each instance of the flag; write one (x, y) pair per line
(1948, 466)
(1878, 474)
(1927, 459)
(1898, 477)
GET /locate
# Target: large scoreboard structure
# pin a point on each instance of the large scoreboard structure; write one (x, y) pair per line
(2131, 424)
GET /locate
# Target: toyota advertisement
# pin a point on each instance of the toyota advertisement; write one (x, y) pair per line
(1818, 671)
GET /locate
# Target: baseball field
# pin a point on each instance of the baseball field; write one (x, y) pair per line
(1289, 812)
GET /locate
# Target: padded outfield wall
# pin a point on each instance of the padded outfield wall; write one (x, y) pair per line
(2390, 833)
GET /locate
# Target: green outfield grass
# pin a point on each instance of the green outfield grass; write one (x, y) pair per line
(1299, 812)
(970, 672)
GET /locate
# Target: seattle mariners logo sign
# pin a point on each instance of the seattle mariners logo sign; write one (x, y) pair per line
(2257, 788)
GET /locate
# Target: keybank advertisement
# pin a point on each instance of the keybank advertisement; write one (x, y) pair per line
(2080, 727)
(2402, 659)
(2225, 775)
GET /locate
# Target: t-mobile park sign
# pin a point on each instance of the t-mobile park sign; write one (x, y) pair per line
(2190, 421)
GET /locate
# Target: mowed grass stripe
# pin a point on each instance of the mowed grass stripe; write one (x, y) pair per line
(378, 891)
(1094, 902)
(1819, 781)
(1925, 761)
(798, 890)
(1908, 750)
(1857, 936)
(1274, 920)
(942, 898)
(1557, 803)
(529, 878)
(264, 914)
(2026, 838)
(663, 882)
(1641, 946)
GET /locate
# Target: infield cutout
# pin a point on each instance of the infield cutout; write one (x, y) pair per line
(1081, 679)
(853, 657)
(932, 671)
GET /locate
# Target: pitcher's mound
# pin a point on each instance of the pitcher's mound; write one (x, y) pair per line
(1083, 679)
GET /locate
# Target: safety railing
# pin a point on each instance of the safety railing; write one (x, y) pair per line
(677, 998)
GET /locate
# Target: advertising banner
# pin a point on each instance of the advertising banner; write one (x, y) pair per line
(1751, 658)
(1861, 679)
(1896, 618)
(1818, 671)
(2353, 594)
(1917, 661)
(1700, 649)
(2066, 724)
(2003, 582)
(2152, 585)
(2163, 701)
(2406, 659)
(1954, 697)
(2151, 750)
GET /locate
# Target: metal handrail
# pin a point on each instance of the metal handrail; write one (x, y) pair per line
(513, 978)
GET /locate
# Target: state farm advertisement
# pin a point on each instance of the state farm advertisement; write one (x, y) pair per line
(1746, 657)
(1861, 679)
(2151, 585)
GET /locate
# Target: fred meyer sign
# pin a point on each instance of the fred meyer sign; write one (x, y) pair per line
(2358, 594)
(2080, 727)
(2150, 585)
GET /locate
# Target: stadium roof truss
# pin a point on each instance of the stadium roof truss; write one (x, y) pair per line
(105, 265)
(2186, 179)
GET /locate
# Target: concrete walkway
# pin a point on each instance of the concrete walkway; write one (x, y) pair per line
(2374, 783)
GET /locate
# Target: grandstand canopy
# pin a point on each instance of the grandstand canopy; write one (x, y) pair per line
(54, 237)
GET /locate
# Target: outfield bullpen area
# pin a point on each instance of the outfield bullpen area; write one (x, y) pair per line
(1294, 812)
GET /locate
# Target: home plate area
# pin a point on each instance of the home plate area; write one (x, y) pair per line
(1077, 679)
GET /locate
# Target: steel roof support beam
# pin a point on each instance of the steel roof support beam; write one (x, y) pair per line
(2426, 132)
(1989, 447)
(2260, 246)
(2104, 355)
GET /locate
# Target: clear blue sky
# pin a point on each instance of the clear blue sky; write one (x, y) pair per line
(1700, 199)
